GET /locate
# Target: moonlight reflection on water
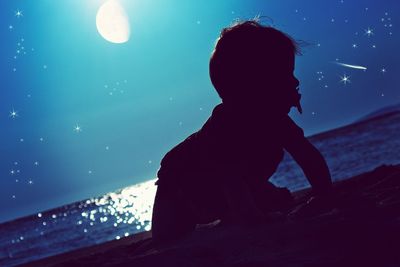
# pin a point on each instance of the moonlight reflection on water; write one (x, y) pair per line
(130, 205)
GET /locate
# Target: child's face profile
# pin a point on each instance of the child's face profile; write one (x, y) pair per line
(277, 76)
(280, 76)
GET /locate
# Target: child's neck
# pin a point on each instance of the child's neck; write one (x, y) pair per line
(240, 109)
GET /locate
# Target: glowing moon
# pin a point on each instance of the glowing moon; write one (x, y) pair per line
(112, 22)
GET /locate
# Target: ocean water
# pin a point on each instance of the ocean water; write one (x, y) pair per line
(349, 151)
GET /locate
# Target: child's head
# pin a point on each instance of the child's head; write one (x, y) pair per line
(254, 64)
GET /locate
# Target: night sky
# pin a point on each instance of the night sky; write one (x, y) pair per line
(81, 116)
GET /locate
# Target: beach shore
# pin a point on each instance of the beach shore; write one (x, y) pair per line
(361, 229)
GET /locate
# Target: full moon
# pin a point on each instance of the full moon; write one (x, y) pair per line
(112, 22)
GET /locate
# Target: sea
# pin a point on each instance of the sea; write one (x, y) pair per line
(349, 150)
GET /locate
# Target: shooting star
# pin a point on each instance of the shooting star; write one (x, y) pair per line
(351, 66)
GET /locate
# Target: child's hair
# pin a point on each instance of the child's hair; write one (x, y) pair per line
(244, 51)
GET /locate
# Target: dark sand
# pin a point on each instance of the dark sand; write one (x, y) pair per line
(363, 229)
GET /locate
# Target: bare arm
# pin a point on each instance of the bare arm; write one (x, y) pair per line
(313, 164)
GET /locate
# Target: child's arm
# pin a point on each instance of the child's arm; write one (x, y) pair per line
(313, 164)
(310, 160)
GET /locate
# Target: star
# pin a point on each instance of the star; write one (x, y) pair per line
(369, 32)
(13, 114)
(345, 79)
(30, 181)
(36, 163)
(354, 46)
(12, 172)
(383, 70)
(77, 128)
(19, 14)
(10, 27)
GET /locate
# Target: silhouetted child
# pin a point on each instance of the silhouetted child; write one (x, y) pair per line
(222, 170)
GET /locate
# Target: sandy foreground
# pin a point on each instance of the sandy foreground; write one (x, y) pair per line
(362, 229)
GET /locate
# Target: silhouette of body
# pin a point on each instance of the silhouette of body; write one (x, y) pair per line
(222, 170)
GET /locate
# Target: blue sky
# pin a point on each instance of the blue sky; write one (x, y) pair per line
(134, 101)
